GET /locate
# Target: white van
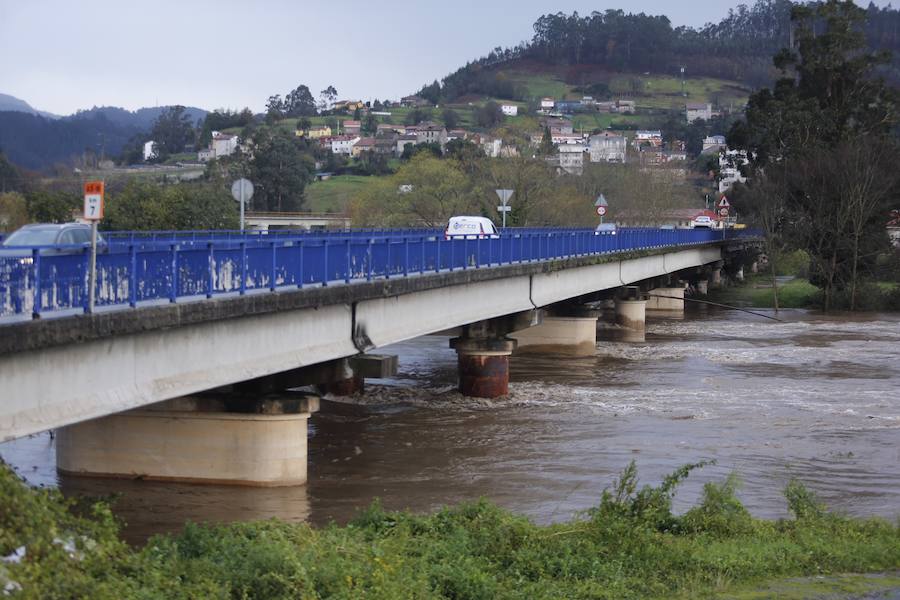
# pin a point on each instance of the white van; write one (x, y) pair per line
(470, 228)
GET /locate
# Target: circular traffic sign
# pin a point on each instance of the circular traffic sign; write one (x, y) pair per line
(242, 190)
(601, 210)
(723, 212)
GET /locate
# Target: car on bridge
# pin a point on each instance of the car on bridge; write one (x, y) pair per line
(50, 239)
(702, 222)
(470, 228)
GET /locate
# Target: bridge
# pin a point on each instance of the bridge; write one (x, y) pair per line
(167, 377)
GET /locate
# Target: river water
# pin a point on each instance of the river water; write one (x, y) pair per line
(816, 398)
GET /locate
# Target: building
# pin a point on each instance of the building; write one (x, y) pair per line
(351, 127)
(343, 144)
(456, 134)
(365, 144)
(568, 106)
(205, 155)
(558, 126)
(608, 147)
(431, 133)
(386, 144)
(223, 144)
(714, 144)
(348, 105)
(697, 112)
(571, 158)
(510, 110)
(547, 104)
(414, 101)
(314, 133)
(730, 163)
(647, 138)
(150, 150)
(626, 107)
(408, 139)
(893, 228)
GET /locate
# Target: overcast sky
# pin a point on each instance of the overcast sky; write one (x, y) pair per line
(62, 55)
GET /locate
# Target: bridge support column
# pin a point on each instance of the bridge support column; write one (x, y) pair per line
(483, 365)
(631, 314)
(666, 299)
(715, 279)
(703, 287)
(740, 273)
(195, 439)
(570, 335)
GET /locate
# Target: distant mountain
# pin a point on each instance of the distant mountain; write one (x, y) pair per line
(142, 118)
(37, 140)
(11, 103)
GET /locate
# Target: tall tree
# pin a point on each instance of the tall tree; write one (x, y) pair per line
(172, 131)
(299, 102)
(280, 170)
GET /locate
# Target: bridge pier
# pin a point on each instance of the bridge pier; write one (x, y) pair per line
(668, 299)
(483, 353)
(631, 314)
(575, 335)
(232, 441)
(703, 287)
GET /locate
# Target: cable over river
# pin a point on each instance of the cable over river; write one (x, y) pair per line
(815, 398)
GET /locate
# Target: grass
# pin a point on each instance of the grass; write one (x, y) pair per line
(757, 292)
(334, 195)
(629, 546)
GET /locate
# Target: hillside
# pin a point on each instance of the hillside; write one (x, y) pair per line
(11, 103)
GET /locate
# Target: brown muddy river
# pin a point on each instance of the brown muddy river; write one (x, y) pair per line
(815, 398)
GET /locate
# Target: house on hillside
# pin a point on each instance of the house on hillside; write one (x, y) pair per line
(697, 112)
(730, 163)
(608, 147)
(644, 138)
(408, 139)
(150, 150)
(456, 134)
(314, 133)
(547, 104)
(510, 110)
(386, 144)
(348, 105)
(343, 144)
(714, 144)
(224, 144)
(414, 102)
(568, 106)
(626, 107)
(431, 133)
(351, 127)
(364, 144)
(558, 126)
(571, 158)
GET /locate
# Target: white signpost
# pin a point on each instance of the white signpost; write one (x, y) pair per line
(93, 212)
(242, 190)
(504, 208)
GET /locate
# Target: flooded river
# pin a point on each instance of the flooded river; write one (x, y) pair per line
(814, 398)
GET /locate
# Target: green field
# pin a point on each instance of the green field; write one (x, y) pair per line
(334, 195)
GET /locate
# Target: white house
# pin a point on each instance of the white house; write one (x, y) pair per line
(150, 150)
(223, 144)
(510, 110)
(608, 147)
(547, 104)
(343, 144)
(571, 158)
(696, 112)
(714, 143)
(730, 162)
(648, 138)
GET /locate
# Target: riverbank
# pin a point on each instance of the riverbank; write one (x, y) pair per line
(629, 546)
(797, 292)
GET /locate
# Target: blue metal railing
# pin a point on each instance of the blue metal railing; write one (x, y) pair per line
(170, 266)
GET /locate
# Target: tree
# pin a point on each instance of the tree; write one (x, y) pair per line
(299, 103)
(432, 148)
(547, 147)
(303, 124)
(489, 115)
(51, 206)
(143, 205)
(13, 211)
(10, 178)
(813, 125)
(171, 132)
(450, 117)
(279, 170)
(327, 98)
(369, 125)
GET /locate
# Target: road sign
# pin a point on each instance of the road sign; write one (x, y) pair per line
(723, 203)
(93, 200)
(242, 190)
(601, 201)
(504, 196)
(723, 212)
(601, 210)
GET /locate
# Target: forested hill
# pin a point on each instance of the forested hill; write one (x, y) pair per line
(739, 48)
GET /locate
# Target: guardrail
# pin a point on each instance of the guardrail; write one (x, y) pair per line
(136, 270)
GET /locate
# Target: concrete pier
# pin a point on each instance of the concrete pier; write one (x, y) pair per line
(483, 365)
(703, 287)
(199, 440)
(631, 314)
(666, 299)
(567, 335)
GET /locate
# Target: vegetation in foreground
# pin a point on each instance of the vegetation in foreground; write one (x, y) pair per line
(630, 546)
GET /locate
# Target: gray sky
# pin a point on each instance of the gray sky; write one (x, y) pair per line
(62, 55)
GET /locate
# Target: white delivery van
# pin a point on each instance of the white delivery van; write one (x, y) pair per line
(470, 228)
